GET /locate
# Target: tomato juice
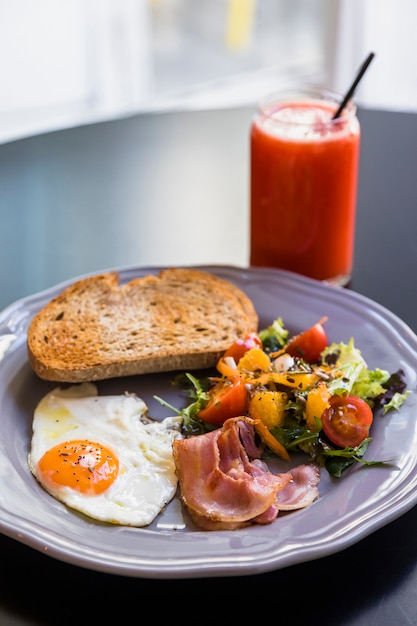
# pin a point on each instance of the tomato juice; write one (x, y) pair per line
(304, 170)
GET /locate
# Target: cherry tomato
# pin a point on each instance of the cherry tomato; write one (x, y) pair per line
(346, 422)
(309, 344)
(228, 398)
(241, 346)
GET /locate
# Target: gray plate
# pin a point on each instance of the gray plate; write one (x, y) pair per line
(348, 509)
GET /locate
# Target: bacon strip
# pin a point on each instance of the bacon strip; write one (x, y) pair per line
(302, 489)
(223, 482)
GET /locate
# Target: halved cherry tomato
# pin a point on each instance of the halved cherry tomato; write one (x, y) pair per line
(309, 344)
(240, 346)
(228, 398)
(346, 422)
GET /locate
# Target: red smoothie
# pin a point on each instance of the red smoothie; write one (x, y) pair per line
(304, 170)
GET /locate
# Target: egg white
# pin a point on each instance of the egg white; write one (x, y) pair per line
(146, 481)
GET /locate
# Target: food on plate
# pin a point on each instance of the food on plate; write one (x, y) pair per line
(346, 420)
(273, 396)
(309, 344)
(225, 484)
(303, 394)
(96, 328)
(102, 455)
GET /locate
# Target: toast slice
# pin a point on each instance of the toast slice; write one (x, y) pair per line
(97, 328)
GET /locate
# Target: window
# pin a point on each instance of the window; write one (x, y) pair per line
(228, 50)
(78, 61)
(386, 27)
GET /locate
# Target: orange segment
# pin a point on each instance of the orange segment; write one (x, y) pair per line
(317, 402)
(269, 407)
(254, 360)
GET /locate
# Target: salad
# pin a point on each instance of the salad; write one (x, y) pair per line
(303, 394)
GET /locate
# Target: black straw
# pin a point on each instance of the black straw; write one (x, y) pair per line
(349, 94)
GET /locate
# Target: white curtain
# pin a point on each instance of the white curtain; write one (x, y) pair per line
(389, 29)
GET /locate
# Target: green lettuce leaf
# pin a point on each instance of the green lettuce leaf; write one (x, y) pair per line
(355, 376)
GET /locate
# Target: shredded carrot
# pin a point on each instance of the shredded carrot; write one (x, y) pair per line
(273, 444)
(295, 380)
(227, 370)
(273, 355)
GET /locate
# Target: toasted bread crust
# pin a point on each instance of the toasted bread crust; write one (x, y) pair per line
(97, 328)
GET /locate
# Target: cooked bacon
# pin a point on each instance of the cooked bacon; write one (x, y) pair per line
(302, 489)
(223, 482)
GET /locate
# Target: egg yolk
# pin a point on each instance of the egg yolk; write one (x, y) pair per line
(85, 466)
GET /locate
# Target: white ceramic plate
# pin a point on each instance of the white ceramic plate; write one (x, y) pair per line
(348, 509)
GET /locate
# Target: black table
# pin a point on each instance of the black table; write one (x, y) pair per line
(172, 188)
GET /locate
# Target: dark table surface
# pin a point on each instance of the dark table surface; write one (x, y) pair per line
(171, 189)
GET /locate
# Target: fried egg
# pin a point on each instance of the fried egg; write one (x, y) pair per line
(102, 456)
